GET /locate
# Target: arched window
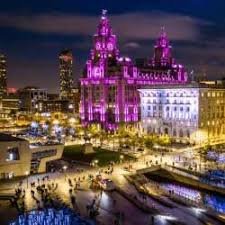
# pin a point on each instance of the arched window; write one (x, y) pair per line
(166, 131)
(188, 133)
(181, 134)
(174, 133)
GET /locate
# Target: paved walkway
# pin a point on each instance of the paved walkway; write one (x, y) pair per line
(107, 207)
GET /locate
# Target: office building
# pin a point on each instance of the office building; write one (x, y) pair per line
(66, 74)
(52, 106)
(3, 80)
(29, 96)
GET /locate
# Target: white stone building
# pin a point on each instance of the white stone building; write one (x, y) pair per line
(187, 113)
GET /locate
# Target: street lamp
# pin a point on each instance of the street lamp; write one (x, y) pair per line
(65, 167)
(27, 173)
(121, 158)
(96, 162)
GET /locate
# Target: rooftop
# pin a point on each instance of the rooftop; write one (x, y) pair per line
(182, 86)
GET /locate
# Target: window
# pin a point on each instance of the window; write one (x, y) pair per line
(44, 154)
(188, 133)
(13, 154)
(174, 133)
(181, 134)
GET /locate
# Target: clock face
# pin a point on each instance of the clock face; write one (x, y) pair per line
(98, 46)
(96, 72)
(110, 46)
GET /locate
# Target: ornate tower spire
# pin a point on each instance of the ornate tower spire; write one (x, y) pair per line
(104, 50)
(104, 12)
(163, 39)
(104, 28)
(162, 52)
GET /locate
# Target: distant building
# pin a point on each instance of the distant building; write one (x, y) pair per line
(19, 158)
(3, 79)
(109, 84)
(66, 74)
(76, 99)
(29, 96)
(187, 113)
(56, 105)
(9, 106)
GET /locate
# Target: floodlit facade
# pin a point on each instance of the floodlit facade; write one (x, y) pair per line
(187, 113)
(19, 158)
(66, 74)
(109, 84)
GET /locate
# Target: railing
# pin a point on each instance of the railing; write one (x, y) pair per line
(172, 169)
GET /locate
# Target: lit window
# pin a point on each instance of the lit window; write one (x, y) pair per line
(13, 154)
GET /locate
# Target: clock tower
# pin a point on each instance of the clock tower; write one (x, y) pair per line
(104, 48)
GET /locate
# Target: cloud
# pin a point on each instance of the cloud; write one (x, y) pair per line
(137, 25)
(132, 45)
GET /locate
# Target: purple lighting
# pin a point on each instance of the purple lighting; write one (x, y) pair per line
(109, 85)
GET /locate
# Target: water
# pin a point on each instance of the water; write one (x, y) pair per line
(201, 198)
(213, 201)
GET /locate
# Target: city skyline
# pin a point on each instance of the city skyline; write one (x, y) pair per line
(33, 35)
(112, 112)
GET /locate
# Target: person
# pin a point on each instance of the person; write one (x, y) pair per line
(152, 220)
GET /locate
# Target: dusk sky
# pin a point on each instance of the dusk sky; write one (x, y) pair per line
(33, 32)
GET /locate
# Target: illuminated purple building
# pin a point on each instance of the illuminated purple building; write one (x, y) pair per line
(109, 85)
(162, 68)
